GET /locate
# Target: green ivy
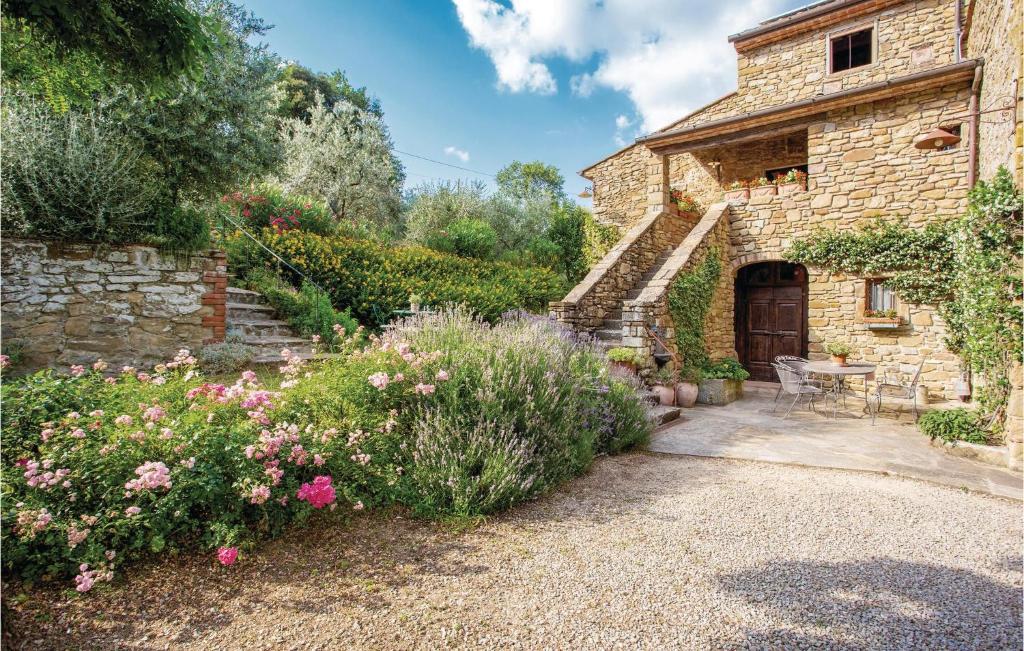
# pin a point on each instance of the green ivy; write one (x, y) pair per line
(689, 301)
(969, 267)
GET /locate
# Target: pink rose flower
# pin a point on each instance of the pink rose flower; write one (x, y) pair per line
(319, 494)
(227, 555)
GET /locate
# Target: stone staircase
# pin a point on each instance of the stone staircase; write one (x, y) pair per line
(249, 316)
(609, 334)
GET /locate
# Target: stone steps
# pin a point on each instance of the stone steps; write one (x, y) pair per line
(237, 295)
(609, 334)
(261, 327)
(662, 414)
(251, 317)
(249, 311)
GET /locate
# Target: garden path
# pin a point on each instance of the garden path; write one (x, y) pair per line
(747, 429)
(646, 551)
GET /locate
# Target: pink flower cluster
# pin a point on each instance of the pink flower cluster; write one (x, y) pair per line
(76, 536)
(227, 555)
(47, 479)
(379, 380)
(319, 494)
(153, 414)
(151, 476)
(87, 578)
(31, 522)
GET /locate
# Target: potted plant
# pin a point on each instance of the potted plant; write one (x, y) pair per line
(839, 352)
(721, 382)
(623, 358)
(688, 387)
(882, 319)
(792, 181)
(762, 187)
(737, 191)
(414, 302)
(685, 202)
(664, 386)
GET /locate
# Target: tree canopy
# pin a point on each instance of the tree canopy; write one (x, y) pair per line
(299, 86)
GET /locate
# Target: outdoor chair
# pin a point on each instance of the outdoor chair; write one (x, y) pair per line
(897, 387)
(798, 364)
(796, 384)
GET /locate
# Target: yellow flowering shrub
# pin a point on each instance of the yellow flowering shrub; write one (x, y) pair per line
(374, 280)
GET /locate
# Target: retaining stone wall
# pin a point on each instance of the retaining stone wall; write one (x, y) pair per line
(129, 305)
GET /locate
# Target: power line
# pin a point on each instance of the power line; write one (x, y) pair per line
(439, 162)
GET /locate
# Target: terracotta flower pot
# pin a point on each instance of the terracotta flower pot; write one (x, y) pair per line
(737, 195)
(763, 191)
(839, 360)
(666, 395)
(786, 189)
(686, 394)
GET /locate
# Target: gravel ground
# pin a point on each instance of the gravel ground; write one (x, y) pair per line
(646, 551)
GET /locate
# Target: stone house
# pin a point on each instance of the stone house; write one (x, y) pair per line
(841, 90)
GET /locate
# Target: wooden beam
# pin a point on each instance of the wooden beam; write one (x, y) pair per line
(746, 135)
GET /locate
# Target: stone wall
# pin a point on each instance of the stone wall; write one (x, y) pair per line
(995, 34)
(604, 288)
(620, 186)
(130, 305)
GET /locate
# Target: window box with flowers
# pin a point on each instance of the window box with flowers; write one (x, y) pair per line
(762, 187)
(737, 191)
(791, 182)
(880, 305)
(685, 202)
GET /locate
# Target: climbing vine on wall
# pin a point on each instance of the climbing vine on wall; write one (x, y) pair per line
(689, 301)
(969, 267)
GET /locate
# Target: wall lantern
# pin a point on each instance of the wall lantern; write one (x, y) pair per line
(586, 194)
(936, 139)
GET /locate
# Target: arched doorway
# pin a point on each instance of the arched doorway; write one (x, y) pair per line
(771, 315)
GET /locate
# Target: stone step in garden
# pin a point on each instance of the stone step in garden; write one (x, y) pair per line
(649, 275)
(308, 355)
(274, 345)
(611, 324)
(248, 311)
(661, 414)
(259, 327)
(609, 334)
(239, 295)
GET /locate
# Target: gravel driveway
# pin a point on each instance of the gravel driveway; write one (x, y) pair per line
(647, 551)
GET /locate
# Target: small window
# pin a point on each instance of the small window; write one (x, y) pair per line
(880, 301)
(851, 50)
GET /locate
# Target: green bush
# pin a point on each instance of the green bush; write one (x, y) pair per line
(269, 207)
(373, 280)
(228, 356)
(470, 238)
(724, 369)
(953, 425)
(446, 415)
(307, 309)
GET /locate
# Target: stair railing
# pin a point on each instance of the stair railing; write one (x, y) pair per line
(321, 292)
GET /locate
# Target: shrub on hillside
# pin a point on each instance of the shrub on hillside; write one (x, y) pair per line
(470, 238)
(446, 415)
(373, 280)
(268, 207)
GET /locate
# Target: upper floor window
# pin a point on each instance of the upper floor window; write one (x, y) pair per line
(851, 50)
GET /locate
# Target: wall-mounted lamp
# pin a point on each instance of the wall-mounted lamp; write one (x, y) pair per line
(936, 139)
(587, 192)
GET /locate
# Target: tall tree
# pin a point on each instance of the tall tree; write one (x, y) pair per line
(524, 182)
(299, 86)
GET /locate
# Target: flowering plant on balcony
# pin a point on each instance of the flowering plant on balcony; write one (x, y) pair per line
(684, 201)
(792, 176)
(759, 182)
(738, 184)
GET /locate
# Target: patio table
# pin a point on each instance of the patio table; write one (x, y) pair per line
(839, 374)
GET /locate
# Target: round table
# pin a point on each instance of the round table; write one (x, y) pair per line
(839, 374)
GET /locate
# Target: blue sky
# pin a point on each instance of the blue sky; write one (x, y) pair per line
(478, 84)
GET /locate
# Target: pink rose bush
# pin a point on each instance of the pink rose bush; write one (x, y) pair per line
(104, 466)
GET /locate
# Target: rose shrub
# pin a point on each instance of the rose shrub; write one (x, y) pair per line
(446, 415)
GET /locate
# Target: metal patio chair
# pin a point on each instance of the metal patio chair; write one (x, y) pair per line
(897, 387)
(798, 385)
(798, 364)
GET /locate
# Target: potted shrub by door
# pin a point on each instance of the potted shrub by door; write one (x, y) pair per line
(664, 386)
(793, 181)
(721, 382)
(688, 387)
(737, 191)
(839, 352)
(623, 359)
(762, 187)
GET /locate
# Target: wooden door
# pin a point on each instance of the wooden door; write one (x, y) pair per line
(771, 316)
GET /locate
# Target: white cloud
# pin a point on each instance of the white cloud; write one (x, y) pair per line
(668, 56)
(461, 154)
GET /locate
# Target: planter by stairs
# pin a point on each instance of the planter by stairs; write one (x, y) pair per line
(249, 316)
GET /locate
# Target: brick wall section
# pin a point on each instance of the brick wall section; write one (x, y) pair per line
(996, 35)
(604, 288)
(215, 275)
(652, 304)
(129, 305)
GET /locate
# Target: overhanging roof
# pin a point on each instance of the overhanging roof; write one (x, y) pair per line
(788, 115)
(812, 17)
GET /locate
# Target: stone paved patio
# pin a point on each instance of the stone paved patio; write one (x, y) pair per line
(747, 429)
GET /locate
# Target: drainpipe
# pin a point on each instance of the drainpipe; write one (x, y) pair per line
(972, 154)
(959, 32)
